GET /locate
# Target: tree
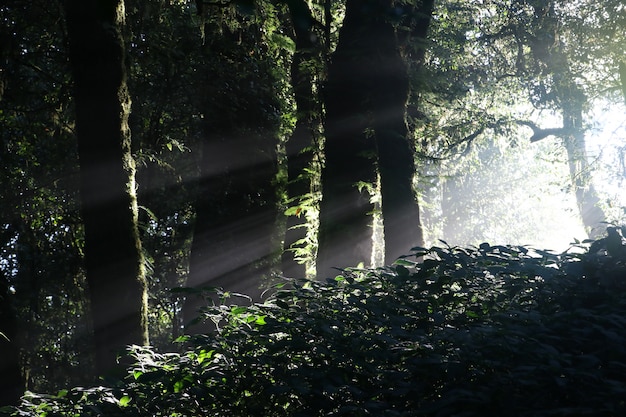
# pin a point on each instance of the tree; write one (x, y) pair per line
(365, 98)
(349, 173)
(12, 384)
(114, 261)
(389, 97)
(557, 85)
(235, 244)
(513, 63)
(41, 245)
(165, 126)
(300, 145)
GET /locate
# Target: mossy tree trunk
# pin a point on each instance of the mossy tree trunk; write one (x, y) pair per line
(114, 263)
(345, 229)
(299, 147)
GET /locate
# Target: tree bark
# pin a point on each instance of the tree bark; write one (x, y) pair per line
(366, 98)
(548, 51)
(345, 230)
(299, 147)
(114, 262)
(390, 94)
(587, 198)
(234, 243)
(12, 385)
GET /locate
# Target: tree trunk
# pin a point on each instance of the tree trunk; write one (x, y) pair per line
(232, 245)
(299, 147)
(587, 198)
(366, 97)
(114, 263)
(234, 242)
(548, 51)
(12, 385)
(345, 230)
(389, 96)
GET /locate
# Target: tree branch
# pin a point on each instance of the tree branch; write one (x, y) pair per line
(539, 133)
(622, 78)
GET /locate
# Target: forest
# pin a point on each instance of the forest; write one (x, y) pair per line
(312, 208)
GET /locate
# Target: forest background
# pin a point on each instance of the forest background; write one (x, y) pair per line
(153, 145)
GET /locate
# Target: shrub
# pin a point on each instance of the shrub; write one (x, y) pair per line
(493, 330)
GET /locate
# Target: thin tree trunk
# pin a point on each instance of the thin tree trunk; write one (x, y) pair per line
(113, 257)
(345, 230)
(27, 287)
(299, 147)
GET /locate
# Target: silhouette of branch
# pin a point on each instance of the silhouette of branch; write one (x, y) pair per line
(540, 133)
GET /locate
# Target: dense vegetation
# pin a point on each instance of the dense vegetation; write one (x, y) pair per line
(492, 330)
(152, 149)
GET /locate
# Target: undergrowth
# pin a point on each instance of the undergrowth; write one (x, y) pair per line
(447, 331)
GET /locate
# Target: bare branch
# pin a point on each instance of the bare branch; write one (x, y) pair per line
(540, 133)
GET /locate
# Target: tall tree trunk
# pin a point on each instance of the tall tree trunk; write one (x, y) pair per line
(587, 198)
(366, 98)
(12, 385)
(389, 96)
(345, 230)
(234, 242)
(114, 263)
(299, 147)
(548, 51)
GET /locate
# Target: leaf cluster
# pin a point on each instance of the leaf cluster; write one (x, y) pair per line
(496, 330)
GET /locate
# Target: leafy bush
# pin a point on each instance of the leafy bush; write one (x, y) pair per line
(493, 330)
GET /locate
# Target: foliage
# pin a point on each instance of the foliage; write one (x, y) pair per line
(486, 77)
(184, 86)
(496, 330)
(492, 194)
(41, 240)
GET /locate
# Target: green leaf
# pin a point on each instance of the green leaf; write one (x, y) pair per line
(284, 42)
(238, 310)
(125, 400)
(402, 271)
(178, 386)
(472, 314)
(404, 262)
(204, 355)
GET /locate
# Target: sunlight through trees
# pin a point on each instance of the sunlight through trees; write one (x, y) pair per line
(167, 159)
